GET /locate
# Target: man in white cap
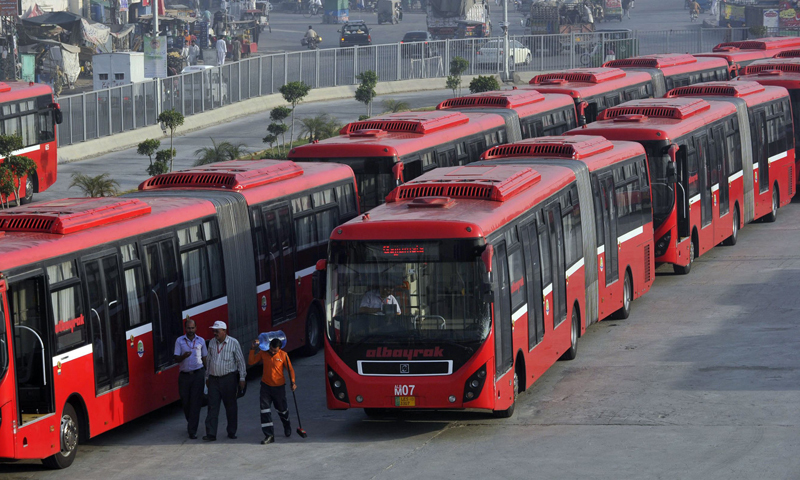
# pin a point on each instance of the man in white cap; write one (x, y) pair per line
(225, 365)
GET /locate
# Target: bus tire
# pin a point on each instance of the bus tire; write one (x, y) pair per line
(507, 413)
(313, 332)
(627, 298)
(773, 215)
(29, 187)
(575, 328)
(70, 433)
(684, 270)
(731, 241)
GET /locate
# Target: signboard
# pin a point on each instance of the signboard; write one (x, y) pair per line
(771, 19)
(787, 17)
(155, 57)
(8, 8)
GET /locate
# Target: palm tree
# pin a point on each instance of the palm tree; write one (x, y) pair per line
(313, 126)
(331, 129)
(98, 186)
(219, 152)
(391, 105)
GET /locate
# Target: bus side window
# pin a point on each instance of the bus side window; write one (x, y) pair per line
(46, 130)
(260, 249)
(65, 298)
(201, 262)
(787, 122)
(571, 223)
(544, 256)
(134, 284)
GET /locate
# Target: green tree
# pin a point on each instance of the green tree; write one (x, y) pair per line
(172, 119)
(218, 152)
(294, 93)
(391, 105)
(161, 165)
(483, 83)
(331, 129)
(18, 167)
(98, 186)
(148, 148)
(458, 66)
(315, 127)
(275, 130)
(6, 185)
(365, 92)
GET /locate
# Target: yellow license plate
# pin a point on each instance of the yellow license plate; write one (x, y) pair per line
(405, 401)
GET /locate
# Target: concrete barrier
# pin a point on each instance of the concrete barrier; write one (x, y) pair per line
(123, 140)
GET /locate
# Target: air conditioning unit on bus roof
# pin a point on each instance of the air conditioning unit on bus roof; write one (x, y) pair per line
(476, 182)
(583, 75)
(577, 147)
(409, 122)
(674, 108)
(502, 99)
(717, 89)
(231, 175)
(70, 215)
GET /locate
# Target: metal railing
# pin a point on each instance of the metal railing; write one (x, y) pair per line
(106, 112)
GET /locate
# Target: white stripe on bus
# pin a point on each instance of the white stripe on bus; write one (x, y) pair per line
(138, 331)
(755, 166)
(516, 315)
(777, 157)
(601, 249)
(69, 356)
(633, 233)
(206, 307)
(304, 272)
(574, 268)
(714, 187)
(694, 199)
(547, 290)
(735, 176)
(262, 288)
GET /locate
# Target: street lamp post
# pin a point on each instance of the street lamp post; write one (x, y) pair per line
(505, 41)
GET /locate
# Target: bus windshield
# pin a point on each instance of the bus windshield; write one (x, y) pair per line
(406, 293)
(663, 191)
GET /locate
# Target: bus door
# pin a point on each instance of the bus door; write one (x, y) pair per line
(704, 161)
(530, 245)
(106, 311)
(163, 297)
(682, 190)
(761, 154)
(504, 354)
(610, 227)
(720, 151)
(31, 342)
(554, 226)
(283, 289)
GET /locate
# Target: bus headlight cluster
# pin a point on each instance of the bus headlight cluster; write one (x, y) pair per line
(663, 243)
(474, 384)
(338, 387)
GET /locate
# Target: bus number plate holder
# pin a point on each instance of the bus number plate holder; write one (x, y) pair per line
(405, 401)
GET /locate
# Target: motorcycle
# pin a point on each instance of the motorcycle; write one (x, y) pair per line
(693, 15)
(311, 44)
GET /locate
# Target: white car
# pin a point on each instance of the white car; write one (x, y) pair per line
(492, 52)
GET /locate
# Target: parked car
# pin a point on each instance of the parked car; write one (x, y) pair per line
(490, 53)
(355, 33)
(416, 44)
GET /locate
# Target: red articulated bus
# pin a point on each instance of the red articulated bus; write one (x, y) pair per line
(670, 70)
(93, 291)
(779, 72)
(470, 282)
(388, 149)
(771, 134)
(742, 53)
(595, 89)
(290, 210)
(701, 175)
(536, 114)
(28, 110)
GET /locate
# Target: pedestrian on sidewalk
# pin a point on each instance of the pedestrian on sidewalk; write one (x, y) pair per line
(225, 366)
(273, 386)
(191, 353)
(626, 8)
(222, 50)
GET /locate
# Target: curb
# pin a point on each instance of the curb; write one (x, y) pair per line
(124, 140)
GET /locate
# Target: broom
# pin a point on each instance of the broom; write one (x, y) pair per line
(300, 430)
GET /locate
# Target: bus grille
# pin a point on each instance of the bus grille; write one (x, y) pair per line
(27, 224)
(452, 191)
(647, 263)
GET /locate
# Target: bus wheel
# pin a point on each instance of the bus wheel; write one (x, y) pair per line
(69, 441)
(313, 332)
(573, 336)
(773, 215)
(627, 299)
(28, 198)
(688, 268)
(731, 241)
(507, 413)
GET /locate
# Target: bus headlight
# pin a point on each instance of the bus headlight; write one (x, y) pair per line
(663, 244)
(474, 384)
(337, 385)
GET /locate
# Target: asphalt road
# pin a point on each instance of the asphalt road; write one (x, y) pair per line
(700, 382)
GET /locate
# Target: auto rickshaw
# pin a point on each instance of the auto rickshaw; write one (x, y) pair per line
(389, 11)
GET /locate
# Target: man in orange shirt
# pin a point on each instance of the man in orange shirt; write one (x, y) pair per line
(273, 387)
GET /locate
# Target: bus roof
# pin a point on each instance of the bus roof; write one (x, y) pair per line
(753, 93)
(10, 91)
(586, 82)
(655, 118)
(767, 43)
(594, 151)
(526, 102)
(781, 72)
(470, 201)
(669, 63)
(257, 180)
(399, 134)
(36, 232)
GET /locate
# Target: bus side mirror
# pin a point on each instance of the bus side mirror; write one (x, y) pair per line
(57, 115)
(397, 172)
(672, 174)
(318, 279)
(582, 113)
